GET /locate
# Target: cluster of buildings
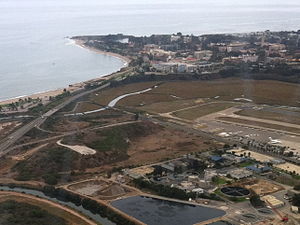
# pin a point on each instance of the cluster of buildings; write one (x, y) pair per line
(203, 54)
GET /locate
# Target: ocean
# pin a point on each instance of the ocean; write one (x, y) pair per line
(36, 56)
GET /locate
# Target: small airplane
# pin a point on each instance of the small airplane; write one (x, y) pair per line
(274, 141)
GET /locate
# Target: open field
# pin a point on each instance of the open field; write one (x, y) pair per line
(100, 189)
(165, 107)
(261, 187)
(289, 167)
(202, 110)
(277, 116)
(124, 145)
(261, 124)
(70, 216)
(259, 91)
(104, 97)
(257, 156)
(85, 106)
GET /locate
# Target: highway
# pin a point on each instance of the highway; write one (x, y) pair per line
(15, 136)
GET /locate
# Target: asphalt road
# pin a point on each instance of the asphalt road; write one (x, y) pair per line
(15, 136)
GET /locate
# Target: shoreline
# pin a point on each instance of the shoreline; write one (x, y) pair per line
(80, 43)
(44, 95)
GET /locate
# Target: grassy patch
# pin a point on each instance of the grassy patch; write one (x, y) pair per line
(219, 180)
(114, 140)
(245, 164)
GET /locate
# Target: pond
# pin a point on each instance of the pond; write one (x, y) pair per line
(154, 211)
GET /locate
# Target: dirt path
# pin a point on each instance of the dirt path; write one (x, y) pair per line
(18, 196)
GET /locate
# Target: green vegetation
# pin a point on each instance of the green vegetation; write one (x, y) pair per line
(256, 201)
(170, 192)
(47, 164)
(19, 213)
(219, 180)
(54, 101)
(296, 200)
(247, 163)
(114, 140)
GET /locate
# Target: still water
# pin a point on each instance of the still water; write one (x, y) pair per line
(155, 211)
(35, 55)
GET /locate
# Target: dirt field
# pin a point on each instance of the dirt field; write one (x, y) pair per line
(289, 167)
(261, 124)
(100, 189)
(262, 187)
(270, 116)
(262, 92)
(257, 156)
(202, 110)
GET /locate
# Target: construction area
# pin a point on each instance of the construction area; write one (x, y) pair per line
(101, 189)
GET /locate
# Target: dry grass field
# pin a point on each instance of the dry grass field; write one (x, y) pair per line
(261, 124)
(202, 110)
(104, 97)
(260, 91)
(277, 116)
(165, 107)
(86, 106)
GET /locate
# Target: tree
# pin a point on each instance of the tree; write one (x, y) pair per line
(256, 201)
(296, 200)
(297, 187)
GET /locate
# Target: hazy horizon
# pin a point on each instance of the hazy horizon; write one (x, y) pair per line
(33, 46)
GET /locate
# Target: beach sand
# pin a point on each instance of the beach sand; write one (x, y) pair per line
(73, 87)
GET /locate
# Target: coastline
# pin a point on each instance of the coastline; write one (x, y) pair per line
(44, 95)
(80, 43)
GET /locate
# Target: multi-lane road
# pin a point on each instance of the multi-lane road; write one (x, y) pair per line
(15, 136)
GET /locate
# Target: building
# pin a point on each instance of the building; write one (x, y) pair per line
(198, 190)
(236, 47)
(203, 55)
(272, 201)
(259, 169)
(249, 58)
(294, 209)
(240, 173)
(216, 158)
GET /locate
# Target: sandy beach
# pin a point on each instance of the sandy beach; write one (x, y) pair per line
(123, 58)
(72, 87)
